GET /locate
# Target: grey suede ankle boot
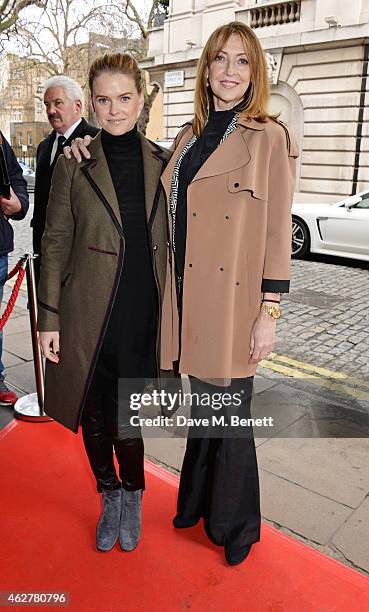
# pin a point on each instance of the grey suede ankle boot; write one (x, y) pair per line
(130, 522)
(107, 531)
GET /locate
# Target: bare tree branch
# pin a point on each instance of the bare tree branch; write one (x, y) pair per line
(10, 9)
(135, 17)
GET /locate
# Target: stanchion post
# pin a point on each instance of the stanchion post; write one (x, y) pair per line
(31, 407)
(32, 306)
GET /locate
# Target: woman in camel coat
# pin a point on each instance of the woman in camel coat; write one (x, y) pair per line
(230, 185)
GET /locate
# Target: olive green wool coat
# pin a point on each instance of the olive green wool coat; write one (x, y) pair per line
(82, 255)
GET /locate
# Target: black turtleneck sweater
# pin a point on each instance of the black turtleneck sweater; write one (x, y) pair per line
(193, 160)
(129, 345)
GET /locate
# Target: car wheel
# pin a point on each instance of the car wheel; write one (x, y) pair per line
(300, 238)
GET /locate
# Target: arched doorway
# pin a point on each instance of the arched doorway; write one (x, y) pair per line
(287, 102)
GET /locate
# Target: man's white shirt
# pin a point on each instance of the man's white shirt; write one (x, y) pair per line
(66, 136)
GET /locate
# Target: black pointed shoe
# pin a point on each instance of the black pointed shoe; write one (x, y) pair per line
(182, 523)
(107, 531)
(235, 556)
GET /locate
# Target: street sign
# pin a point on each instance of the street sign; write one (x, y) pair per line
(174, 78)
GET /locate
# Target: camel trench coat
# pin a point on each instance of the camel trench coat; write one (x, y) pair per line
(82, 257)
(238, 245)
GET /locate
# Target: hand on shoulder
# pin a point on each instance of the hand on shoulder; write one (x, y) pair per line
(78, 149)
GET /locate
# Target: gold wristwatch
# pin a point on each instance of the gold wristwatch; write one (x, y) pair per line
(273, 311)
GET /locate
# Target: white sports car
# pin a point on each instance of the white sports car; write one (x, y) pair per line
(340, 229)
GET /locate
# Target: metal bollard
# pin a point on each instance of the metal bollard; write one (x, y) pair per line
(31, 407)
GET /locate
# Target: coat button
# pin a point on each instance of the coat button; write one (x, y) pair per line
(155, 247)
(237, 284)
(227, 217)
(190, 265)
(194, 214)
(221, 269)
(236, 184)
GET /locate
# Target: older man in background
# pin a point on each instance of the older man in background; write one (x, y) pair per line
(63, 102)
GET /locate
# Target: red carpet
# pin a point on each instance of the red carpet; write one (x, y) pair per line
(49, 512)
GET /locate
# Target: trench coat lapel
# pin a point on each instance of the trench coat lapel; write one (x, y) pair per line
(233, 154)
(153, 164)
(98, 170)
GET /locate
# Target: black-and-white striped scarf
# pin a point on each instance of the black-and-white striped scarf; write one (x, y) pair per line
(175, 178)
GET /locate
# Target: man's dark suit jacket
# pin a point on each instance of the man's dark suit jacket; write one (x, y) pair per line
(44, 172)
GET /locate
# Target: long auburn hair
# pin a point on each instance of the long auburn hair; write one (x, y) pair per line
(258, 93)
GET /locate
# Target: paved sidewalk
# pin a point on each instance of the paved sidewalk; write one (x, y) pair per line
(313, 487)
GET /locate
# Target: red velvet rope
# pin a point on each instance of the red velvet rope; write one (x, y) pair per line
(16, 269)
(17, 285)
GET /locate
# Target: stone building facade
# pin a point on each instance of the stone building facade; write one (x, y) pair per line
(22, 115)
(317, 51)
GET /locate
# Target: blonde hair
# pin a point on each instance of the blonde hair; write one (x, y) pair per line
(257, 95)
(115, 62)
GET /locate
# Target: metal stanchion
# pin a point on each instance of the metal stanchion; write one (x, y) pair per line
(31, 407)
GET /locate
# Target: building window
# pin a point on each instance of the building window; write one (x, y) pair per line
(39, 89)
(20, 139)
(29, 138)
(39, 107)
(17, 116)
(17, 93)
(17, 73)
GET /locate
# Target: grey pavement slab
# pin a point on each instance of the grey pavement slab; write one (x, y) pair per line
(10, 360)
(22, 376)
(17, 324)
(167, 449)
(334, 468)
(332, 421)
(262, 384)
(284, 404)
(352, 539)
(260, 441)
(304, 512)
(19, 344)
(323, 413)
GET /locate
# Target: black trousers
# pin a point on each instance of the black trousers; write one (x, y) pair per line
(106, 429)
(219, 478)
